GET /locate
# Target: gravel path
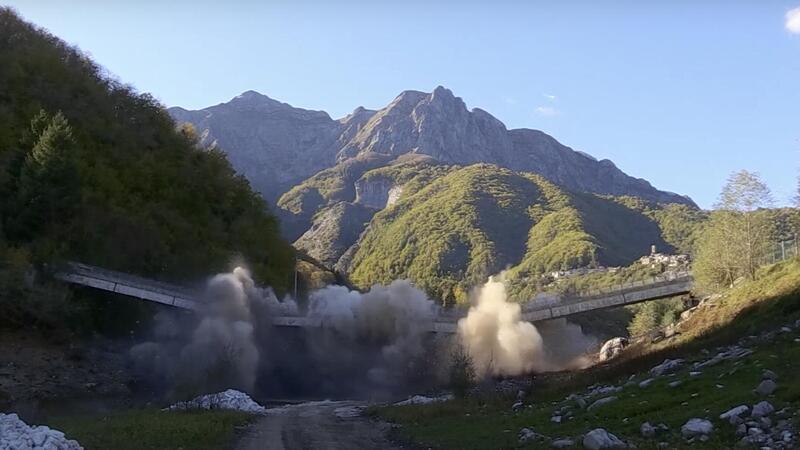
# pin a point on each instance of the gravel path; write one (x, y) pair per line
(323, 425)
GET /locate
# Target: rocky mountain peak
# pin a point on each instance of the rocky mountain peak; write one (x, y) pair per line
(275, 143)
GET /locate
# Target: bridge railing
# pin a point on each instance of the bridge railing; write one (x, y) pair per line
(667, 277)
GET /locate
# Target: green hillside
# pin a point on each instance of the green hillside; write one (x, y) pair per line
(761, 317)
(93, 171)
(450, 232)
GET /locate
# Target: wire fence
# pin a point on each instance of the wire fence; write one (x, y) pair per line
(780, 251)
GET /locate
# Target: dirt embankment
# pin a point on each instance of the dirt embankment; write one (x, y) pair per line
(40, 375)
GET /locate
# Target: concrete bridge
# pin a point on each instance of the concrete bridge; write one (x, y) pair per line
(663, 286)
(669, 285)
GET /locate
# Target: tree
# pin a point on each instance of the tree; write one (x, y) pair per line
(734, 241)
(48, 186)
(796, 198)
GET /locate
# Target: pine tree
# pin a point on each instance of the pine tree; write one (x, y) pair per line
(48, 187)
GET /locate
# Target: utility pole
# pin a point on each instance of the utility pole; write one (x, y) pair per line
(295, 277)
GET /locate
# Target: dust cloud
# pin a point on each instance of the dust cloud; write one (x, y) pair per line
(374, 344)
(368, 343)
(500, 343)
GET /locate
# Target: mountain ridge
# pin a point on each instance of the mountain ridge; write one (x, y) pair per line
(276, 145)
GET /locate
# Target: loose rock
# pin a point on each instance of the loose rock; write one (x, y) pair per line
(696, 427)
(735, 412)
(601, 402)
(562, 443)
(646, 382)
(766, 387)
(599, 438)
(762, 409)
(527, 435)
(647, 430)
(669, 365)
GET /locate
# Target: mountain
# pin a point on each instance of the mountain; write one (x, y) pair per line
(449, 227)
(429, 190)
(277, 146)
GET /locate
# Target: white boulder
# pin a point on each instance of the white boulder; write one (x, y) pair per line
(612, 348)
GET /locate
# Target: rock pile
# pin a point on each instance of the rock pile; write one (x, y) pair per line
(17, 435)
(230, 399)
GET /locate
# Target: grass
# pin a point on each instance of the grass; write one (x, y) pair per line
(152, 429)
(765, 304)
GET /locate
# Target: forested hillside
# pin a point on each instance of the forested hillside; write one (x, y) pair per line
(451, 232)
(91, 170)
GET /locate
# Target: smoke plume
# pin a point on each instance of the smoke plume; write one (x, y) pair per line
(375, 344)
(500, 343)
(368, 344)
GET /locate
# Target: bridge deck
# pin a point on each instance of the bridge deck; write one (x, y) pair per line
(669, 286)
(184, 298)
(129, 285)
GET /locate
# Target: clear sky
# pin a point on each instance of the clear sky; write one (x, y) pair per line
(680, 93)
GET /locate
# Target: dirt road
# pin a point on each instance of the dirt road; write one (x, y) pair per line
(325, 425)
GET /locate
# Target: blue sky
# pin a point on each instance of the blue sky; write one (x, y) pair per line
(680, 93)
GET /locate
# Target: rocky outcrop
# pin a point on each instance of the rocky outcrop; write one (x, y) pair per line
(276, 145)
(333, 231)
(377, 192)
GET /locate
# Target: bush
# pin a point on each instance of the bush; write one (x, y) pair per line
(462, 372)
(651, 316)
(25, 302)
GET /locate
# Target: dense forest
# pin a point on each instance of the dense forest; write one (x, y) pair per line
(93, 171)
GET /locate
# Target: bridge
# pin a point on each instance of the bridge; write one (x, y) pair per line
(668, 285)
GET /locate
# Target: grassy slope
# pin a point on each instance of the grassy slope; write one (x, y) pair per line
(767, 303)
(148, 429)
